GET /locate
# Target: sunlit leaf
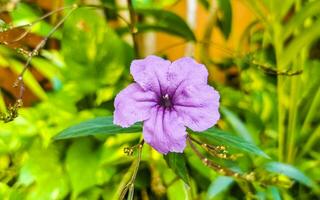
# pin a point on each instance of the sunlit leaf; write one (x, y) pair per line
(224, 138)
(152, 4)
(177, 163)
(39, 169)
(97, 126)
(93, 50)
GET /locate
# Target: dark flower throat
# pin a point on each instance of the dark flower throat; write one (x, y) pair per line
(165, 101)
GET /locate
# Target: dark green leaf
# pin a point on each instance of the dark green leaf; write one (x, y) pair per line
(165, 21)
(177, 163)
(289, 171)
(204, 3)
(217, 136)
(225, 21)
(97, 126)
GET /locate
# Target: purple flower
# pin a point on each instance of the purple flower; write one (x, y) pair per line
(167, 97)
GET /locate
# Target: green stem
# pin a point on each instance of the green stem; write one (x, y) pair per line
(280, 90)
(311, 141)
(133, 29)
(205, 47)
(292, 119)
(313, 110)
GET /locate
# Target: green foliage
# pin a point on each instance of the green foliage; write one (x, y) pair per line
(177, 163)
(164, 21)
(100, 125)
(268, 116)
(216, 136)
(290, 171)
(225, 21)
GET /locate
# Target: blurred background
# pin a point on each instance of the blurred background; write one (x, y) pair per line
(263, 57)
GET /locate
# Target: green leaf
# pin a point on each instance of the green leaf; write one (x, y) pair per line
(219, 185)
(178, 191)
(93, 50)
(225, 22)
(177, 163)
(217, 136)
(309, 10)
(152, 4)
(304, 39)
(25, 14)
(204, 3)
(237, 124)
(82, 165)
(97, 126)
(165, 21)
(44, 173)
(289, 171)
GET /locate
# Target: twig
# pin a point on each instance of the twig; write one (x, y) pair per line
(28, 26)
(36, 50)
(221, 170)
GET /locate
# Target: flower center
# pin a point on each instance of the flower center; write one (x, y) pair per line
(165, 101)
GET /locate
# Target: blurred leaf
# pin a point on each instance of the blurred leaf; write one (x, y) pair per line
(219, 185)
(97, 126)
(309, 10)
(82, 165)
(92, 51)
(225, 21)
(224, 138)
(304, 39)
(204, 3)
(177, 163)
(45, 67)
(29, 80)
(178, 191)
(25, 14)
(3, 107)
(138, 4)
(165, 21)
(289, 171)
(43, 168)
(237, 124)
(275, 193)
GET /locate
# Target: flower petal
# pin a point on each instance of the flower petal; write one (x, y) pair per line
(133, 104)
(164, 132)
(186, 71)
(150, 73)
(197, 106)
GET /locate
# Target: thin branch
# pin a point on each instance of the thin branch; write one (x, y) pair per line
(36, 50)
